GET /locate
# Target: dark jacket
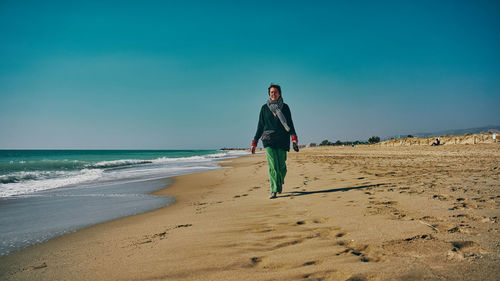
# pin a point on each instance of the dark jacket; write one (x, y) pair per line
(280, 138)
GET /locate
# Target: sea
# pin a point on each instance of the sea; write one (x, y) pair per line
(48, 193)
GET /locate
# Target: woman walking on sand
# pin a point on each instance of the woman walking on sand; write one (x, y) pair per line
(275, 128)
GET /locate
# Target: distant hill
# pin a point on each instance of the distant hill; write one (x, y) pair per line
(467, 138)
(455, 132)
(458, 131)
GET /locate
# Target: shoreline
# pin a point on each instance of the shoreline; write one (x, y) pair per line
(364, 212)
(33, 218)
(37, 218)
(173, 189)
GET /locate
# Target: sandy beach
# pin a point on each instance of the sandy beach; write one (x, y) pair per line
(346, 213)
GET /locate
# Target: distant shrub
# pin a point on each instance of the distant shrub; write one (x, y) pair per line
(339, 142)
(374, 139)
(325, 142)
(409, 136)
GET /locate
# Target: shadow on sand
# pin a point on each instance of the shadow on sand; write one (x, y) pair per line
(302, 193)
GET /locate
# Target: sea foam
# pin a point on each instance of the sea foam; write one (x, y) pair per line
(26, 177)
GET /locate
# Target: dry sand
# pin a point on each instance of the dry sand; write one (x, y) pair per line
(362, 213)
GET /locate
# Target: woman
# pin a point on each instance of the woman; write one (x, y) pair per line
(275, 128)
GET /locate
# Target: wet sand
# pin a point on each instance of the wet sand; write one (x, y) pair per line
(362, 213)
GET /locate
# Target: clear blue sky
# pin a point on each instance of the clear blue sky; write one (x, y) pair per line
(193, 74)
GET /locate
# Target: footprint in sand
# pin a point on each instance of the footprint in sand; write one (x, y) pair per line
(183, 225)
(482, 219)
(465, 250)
(363, 251)
(440, 197)
(310, 263)
(316, 275)
(463, 228)
(463, 205)
(357, 277)
(158, 236)
(386, 208)
(288, 243)
(419, 237)
(254, 261)
(340, 234)
(254, 188)
(35, 267)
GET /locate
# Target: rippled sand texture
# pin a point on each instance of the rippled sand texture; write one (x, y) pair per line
(362, 213)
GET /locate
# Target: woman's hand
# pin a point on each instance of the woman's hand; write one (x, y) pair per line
(295, 143)
(254, 145)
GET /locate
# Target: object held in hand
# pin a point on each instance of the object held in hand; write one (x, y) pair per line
(252, 149)
(295, 147)
(254, 145)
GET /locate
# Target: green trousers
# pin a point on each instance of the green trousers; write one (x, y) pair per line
(276, 158)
